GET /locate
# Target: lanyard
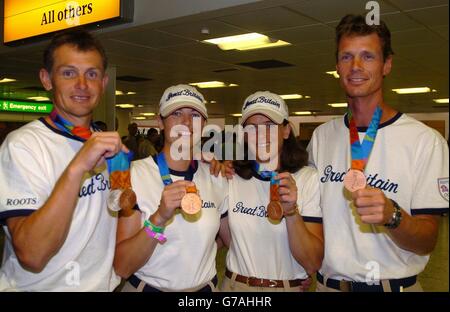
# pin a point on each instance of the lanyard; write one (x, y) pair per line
(265, 174)
(118, 166)
(274, 184)
(68, 127)
(360, 152)
(119, 170)
(274, 188)
(165, 172)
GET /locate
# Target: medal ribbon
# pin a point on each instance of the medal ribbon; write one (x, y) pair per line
(265, 174)
(68, 127)
(164, 171)
(118, 166)
(274, 188)
(360, 152)
(274, 184)
(119, 170)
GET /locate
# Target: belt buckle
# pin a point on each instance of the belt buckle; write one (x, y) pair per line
(345, 286)
(260, 281)
(272, 283)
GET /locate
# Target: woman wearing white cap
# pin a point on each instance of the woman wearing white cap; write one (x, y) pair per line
(276, 233)
(161, 247)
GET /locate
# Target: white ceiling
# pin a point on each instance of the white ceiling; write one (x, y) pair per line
(171, 52)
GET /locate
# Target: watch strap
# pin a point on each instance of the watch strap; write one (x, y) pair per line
(396, 216)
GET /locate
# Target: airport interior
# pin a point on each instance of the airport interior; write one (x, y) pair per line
(152, 45)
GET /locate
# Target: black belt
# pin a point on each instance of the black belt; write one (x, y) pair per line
(364, 287)
(135, 281)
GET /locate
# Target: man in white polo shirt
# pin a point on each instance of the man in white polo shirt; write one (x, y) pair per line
(60, 235)
(378, 236)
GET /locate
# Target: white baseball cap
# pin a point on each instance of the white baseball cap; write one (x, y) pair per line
(180, 96)
(265, 103)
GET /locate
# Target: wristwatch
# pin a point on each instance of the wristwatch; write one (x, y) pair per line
(396, 216)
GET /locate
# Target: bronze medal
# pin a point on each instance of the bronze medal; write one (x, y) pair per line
(191, 202)
(274, 210)
(127, 201)
(354, 180)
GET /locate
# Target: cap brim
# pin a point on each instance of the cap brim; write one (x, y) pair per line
(273, 116)
(169, 109)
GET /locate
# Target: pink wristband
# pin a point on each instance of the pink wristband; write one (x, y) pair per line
(158, 236)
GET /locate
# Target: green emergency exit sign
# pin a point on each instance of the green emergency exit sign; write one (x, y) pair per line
(25, 107)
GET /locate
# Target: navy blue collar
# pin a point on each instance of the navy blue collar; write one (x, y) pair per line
(259, 176)
(188, 174)
(384, 124)
(63, 133)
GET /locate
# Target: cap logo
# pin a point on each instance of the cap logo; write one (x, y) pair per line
(262, 99)
(185, 92)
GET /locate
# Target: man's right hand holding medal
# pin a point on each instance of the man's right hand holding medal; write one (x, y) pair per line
(96, 149)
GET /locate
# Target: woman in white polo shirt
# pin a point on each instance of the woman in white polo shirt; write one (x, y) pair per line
(159, 247)
(267, 253)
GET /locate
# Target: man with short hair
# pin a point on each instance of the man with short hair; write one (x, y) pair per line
(60, 236)
(146, 146)
(131, 141)
(380, 217)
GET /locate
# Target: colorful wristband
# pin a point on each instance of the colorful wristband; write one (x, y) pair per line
(161, 238)
(154, 228)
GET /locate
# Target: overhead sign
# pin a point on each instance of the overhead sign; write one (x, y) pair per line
(30, 18)
(25, 107)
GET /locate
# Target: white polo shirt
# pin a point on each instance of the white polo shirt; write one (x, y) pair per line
(32, 159)
(409, 162)
(187, 259)
(260, 248)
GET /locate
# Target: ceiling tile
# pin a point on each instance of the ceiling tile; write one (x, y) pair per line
(305, 34)
(152, 38)
(207, 51)
(417, 4)
(442, 31)
(193, 30)
(432, 16)
(319, 47)
(328, 11)
(400, 21)
(415, 37)
(268, 19)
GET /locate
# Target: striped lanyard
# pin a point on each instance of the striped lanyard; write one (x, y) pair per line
(165, 172)
(118, 166)
(68, 127)
(360, 152)
(119, 170)
(274, 184)
(265, 174)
